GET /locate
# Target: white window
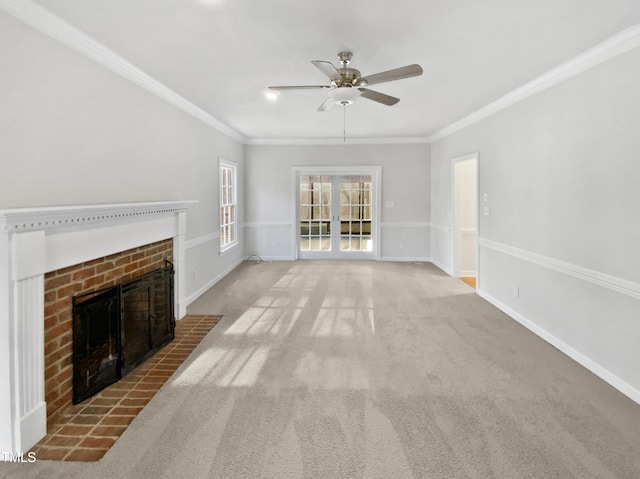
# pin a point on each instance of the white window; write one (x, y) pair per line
(228, 186)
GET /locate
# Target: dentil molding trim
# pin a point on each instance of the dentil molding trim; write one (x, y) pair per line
(46, 22)
(31, 219)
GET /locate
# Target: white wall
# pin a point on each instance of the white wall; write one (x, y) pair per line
(405, 182)
(73, 132)
(562, 175)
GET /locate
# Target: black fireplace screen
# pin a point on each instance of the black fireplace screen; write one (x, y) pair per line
(116, 329)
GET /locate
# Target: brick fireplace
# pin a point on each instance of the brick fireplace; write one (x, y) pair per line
(60, 286)
(47, 255)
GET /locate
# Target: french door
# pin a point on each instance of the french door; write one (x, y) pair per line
(336, 215)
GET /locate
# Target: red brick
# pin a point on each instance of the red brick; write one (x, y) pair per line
(116, 420)
(66, 292)
(106, 266)
(63, 441)
(83, 273)
(97, 442)
(93, 281)
(59, 329)
(108, 431)
(57, 281)
(92, 262)
(86, 455)
(51, 371)
(130, 267)
(46, 453)
(75, 430)
(124, 260)
(53, 308)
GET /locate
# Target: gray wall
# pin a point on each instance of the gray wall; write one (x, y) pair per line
(405, 181)
(562, 173)
(73, 132)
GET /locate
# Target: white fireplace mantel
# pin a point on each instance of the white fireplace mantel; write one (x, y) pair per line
(34, 241)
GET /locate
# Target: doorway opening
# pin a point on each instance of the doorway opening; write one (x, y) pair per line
(464, 173)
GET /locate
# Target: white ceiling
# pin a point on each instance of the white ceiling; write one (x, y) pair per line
(222, 54)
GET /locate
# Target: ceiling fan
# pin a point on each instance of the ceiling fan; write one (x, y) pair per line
(347, 83)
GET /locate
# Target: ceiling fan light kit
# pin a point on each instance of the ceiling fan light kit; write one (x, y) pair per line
(344, 95)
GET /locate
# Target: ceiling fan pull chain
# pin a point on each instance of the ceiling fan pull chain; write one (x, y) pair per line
(344, 122)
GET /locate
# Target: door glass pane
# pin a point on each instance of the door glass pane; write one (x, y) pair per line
(315, 213)
(355, 213)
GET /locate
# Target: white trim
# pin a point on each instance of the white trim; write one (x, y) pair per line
(192, 243)
(235, 224)
(614, 283)
(405, 224)
(36, 240)
(406, 259)
(441, 228)
(376, 179)
(190, 299)
(606, 50)
(604, 374)
(46, 22)
(269, 258)
(337, 141)
(32, 219)
(456, 247)
(261, 224)
(441, 266)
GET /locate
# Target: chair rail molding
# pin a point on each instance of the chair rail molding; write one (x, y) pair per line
(614, 283)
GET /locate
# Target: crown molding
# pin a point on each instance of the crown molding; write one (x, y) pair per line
(337, 141)
(46, 22)
(608, 49)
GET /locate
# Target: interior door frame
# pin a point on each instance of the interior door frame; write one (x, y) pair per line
(455, 252)
(376, 177)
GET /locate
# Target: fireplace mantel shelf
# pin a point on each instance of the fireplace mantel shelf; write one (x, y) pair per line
(31, 219)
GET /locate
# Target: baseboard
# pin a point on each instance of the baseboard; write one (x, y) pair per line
(190, 299)
(406, 259)
(441, 266)
(269, 258)
(604, 374)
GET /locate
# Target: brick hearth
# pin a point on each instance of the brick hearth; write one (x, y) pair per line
(86, 431)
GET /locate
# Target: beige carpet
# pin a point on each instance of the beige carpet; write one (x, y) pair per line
(361, 369)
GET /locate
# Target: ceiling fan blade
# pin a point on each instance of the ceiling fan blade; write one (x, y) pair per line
(300, 87)
(328, 69)
(379, 97)
(328, 103)
(396, 74)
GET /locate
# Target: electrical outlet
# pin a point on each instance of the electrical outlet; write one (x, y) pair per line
(195, 275)
(516, 292)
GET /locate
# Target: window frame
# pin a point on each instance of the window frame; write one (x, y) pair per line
(228, 198)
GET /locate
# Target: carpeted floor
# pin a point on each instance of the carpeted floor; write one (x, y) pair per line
(328, 369)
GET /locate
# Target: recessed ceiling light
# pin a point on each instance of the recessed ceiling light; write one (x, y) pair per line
(271, 94)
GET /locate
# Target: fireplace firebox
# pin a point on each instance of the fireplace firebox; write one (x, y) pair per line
(118, 328)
